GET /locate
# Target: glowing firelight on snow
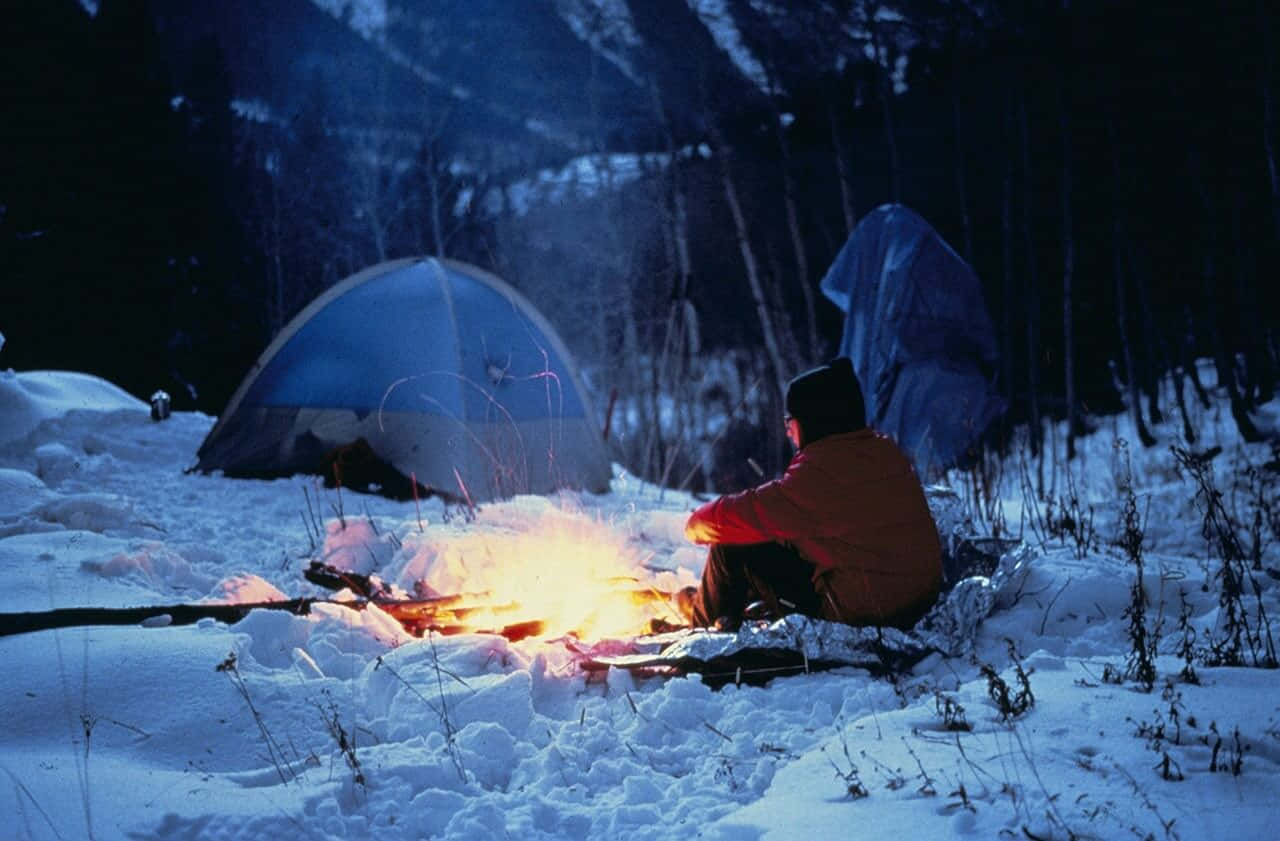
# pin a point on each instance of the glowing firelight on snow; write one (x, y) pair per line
(564, 571)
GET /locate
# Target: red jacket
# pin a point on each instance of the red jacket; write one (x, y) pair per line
(852, 505)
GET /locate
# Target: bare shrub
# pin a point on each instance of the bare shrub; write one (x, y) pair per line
(1241, 639)
(1140, 662)
(1010, 703)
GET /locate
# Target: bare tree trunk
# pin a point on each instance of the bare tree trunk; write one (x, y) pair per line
(278, 312)
(798, 245)
(681, 230)
(377, 200)
(1223, 362)
(1212, 307)
(378, 231)
(1032, 299)
(1259, 368)
(1119, 250)
(1068, 277)
(1135, 399)
(886, 102)
(433, 184)
(813, 346)
(842, 173)
(671, 368)
(1179, 373)
(1268, 112)
(653, 445)
(788, 343)
(749, 262)
(1151, 369)
(962, 190)
(1186, 348)
(1006, 243)
(674, 336)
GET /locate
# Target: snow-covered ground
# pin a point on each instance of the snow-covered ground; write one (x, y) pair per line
(338, 725)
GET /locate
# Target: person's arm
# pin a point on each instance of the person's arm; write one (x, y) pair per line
(782, 509)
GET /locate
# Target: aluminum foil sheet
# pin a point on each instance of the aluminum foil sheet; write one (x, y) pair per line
(949, 628)
(948, 514)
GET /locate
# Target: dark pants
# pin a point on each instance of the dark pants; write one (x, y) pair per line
(736, 576)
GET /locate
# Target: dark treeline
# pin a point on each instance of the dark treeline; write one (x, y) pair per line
(123, 248)
(1108, 168)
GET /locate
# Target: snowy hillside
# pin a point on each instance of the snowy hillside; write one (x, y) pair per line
(340, 725)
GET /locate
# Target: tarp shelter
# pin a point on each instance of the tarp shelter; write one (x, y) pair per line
(918, 332)
(447, 373)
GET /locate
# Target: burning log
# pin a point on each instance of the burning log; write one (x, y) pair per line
(480, 610)
(418, 616)
(447, 615)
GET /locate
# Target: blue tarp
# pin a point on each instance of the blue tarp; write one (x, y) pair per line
(918, 332)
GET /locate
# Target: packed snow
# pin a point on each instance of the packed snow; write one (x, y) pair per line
(341, 725)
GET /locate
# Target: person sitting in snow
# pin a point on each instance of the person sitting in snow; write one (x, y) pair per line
(844, 535)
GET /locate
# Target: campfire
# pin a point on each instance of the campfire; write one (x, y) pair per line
(561, 576)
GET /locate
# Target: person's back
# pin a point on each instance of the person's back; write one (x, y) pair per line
(877, 553)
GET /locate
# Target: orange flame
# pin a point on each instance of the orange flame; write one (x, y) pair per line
(569, 573)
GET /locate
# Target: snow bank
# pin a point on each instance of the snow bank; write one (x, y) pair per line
(20, 492)
(155, 566)
(30, 397)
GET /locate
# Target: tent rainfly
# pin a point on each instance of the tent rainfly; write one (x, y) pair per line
(441, 370)
(918, 332)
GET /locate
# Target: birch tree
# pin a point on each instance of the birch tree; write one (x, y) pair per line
(754, 279)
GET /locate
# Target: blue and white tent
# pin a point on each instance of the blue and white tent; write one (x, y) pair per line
(446, 372)
(919, 335)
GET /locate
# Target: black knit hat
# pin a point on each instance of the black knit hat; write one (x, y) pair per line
(827, 400)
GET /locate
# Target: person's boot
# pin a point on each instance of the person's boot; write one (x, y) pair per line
(681, 603)
(726, 625)
(758, 610)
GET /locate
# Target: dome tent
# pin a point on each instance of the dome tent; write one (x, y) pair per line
(918, 332)
(441, 370)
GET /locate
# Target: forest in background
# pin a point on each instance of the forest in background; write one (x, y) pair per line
(1109, 170)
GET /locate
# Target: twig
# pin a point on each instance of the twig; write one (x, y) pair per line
(450, 734)
(927, 788)
(852, 780)
(346, 741)
(1052, 602)
(973, 766)
(1035, 772)
(466, 496)
(144, 734)
(893, 775)
(1146, 801)
(21, 786)
(417, 507)
(719, 733)
(274, 751)
(307, 525)
(315, 523)
(337, 509)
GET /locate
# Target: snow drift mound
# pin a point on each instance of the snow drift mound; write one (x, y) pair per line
(30, 397)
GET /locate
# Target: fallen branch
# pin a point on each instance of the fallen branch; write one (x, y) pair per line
(417, 615)
(444, 615)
